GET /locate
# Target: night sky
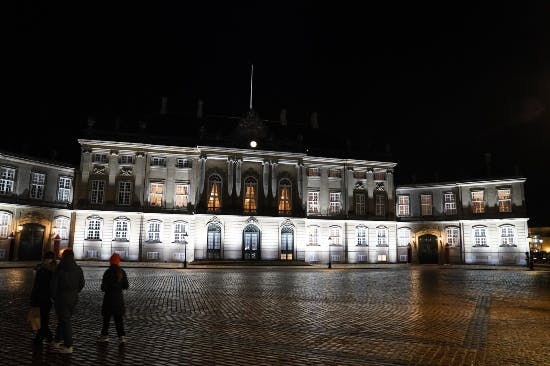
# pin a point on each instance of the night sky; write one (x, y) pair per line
(440, 86)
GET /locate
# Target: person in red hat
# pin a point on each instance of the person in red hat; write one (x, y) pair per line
(113, 283)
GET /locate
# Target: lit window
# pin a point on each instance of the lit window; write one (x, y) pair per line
(403, 237)
(313, 172)
(93, 228)
(359, 175)
(313, 202)
(403, 205)
(335, 173)
(362, 235)
(382, 236)
(124, 193)
(507, 236)
(480, 236)
(7, 180)
(504, 200)
(313, 235)
(158, 161)
(214, 193)
(450, 203)
(452, 236)
(426, 204)
(62, 227)
(122, 228)
(153, 231)
(335, 206)
(180, 231)
(478, 202)
(64, 187)
(360, 203)
(250, 185)
(380, 206)
(284, 196)
(182, 195)
(37, 185)
(156, 190)
(97, 190)
(5, 222)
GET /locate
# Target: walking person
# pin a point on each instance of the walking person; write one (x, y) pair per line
(113, 282)
(41, 296)
(67, 282)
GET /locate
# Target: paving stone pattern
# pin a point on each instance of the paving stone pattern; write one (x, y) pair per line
(285, 316)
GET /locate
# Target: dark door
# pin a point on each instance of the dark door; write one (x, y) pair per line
(287, 243)
(427, 249)
(30, 244)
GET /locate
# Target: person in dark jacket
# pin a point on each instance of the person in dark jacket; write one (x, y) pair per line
(113, 282)
(67, 282)
(41, 296)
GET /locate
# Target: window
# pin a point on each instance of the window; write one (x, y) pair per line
(214, 193)
(287, 243)
(180, 231)
(426, 204)
(37, 185)
(158, 161)
(7, 180)
(480, 236)
(334, 234)
(380, 176)
(62, 227)
(452, 236)
(362, 235)
(360, 203)
(99, 158)
(313, 235)
(403, 237)
(380, 206)
(478, 202)
(182, 195)
(156, 190)
(449, 199)
(97, 190)
(335, 173)
(285, 189)
(124, 193)
(64, 187)
(250, 194)
(126, 159)
(313, 202)
(153, 231)
(183, 163)
(153, 255)
(94, 226)
(335, 206)
(403, 205)
(382, 236)
(507, 236)
(313, 172)
(5, 222)
(122, 228)
(214, 241)
(504, 200)
(359, 175)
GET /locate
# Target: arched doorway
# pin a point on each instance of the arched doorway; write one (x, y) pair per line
(427, 249)
(31, 242)
(251, 243)
(287, 243)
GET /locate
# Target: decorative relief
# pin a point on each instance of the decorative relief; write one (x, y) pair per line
(140, 154)
(359, 185)
(252, 220)
(126, 171)
(114, 152)
(98, 169)
(380, 186)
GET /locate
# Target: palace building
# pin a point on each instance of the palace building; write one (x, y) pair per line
(254, 196)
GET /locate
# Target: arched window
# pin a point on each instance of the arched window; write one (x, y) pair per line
(94, 227)
(382, 236)
(5, 223)
(180, 231)
(250, 194)
(153, 231)
(287, 243)
(214, 193)
(121, 229)
(362, 235)
(62, 226)
(403, 237)
(507, 236)
(480, 236)
(285, 192)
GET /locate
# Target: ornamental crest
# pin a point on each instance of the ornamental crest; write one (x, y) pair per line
(98, 169)
(126, 171)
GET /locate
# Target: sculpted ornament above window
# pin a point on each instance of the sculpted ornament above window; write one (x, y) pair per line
(98, 169)
(380, 186)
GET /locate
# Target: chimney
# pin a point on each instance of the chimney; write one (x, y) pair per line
(163, 106)
(313, 121)
(282, 117)
(200, 104)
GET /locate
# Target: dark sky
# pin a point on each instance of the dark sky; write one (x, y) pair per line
(441, 84)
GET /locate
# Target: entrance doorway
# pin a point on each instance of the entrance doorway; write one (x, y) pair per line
(427, 249)
(31, 242)
(251, 243)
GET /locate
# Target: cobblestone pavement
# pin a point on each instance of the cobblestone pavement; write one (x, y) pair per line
(422, 315)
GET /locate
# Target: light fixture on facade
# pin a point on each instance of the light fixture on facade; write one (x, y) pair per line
(19, 227)
(253, 144)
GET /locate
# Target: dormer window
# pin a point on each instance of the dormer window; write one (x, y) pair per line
(99, 158)
(158, 161)
(183, 163)
(335, 173)
(126, 159)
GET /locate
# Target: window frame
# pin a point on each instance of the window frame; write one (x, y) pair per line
(95, 232)
(123, 229)
(97, 192)
(403, 208)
